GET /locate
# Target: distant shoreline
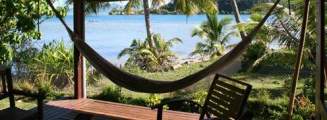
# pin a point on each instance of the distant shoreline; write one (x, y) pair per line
(178, 14)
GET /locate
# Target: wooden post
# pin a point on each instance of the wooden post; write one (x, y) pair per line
(10, 88)
(299, 59)
(320, 62)
(79, 29)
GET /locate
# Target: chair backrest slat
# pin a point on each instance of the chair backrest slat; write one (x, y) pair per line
(229, 87)
(226, 97)
(229, 93)
(220, 100)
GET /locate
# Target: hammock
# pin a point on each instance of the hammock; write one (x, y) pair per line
(141, 84)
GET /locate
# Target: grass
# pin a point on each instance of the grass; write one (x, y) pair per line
(20, 103)
(178, 73)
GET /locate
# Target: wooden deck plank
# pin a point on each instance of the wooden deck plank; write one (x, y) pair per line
(118, 111)
(69, 109)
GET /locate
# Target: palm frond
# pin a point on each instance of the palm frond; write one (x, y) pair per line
(124, 52)
(132, 4)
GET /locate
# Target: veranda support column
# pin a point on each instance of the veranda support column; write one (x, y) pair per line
(321, 113)
(79, 29)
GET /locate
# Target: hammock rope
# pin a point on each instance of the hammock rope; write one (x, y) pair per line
(141, 84)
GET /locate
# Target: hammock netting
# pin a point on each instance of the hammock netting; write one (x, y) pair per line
(141, 84)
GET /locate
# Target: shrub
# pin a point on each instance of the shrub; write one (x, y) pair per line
(254, 52)
(153, 100)
(199, 96)
(53, 64)
(281, 61)
(114, 94)
(111, 93)
(304, 107)
(151, 59)
(309, 88)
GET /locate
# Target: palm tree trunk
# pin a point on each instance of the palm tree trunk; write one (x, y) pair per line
(237, 16)
(147, 22)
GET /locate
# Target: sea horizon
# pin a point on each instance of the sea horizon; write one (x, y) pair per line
(109, 34)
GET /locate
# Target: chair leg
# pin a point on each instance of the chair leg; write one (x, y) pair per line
(40, 108)
(159, 113)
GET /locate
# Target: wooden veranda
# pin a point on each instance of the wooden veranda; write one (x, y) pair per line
(80, 108)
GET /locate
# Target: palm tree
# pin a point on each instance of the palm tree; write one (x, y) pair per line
(93, 6)
(134, 52)
(284, 29)
(213, 36)
(191, 7)
(148, 58)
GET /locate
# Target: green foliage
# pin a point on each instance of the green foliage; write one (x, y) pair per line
(54, 64)
(304, 108)
(114, 94)
(111, 93)
(263, 107)
(288, 27)
(18, 19)
(252, 54)
(92, 6)
(283, 59)
(309, 88)
(213, 36)
(153, 100)
(243, 5)
(200, 96)
(151, 59)
(191, 7)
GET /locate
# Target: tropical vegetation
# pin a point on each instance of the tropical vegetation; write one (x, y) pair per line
(214, 36)
(19, 21)
(268, 69)
(159, 58)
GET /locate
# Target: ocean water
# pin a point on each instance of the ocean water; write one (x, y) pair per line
(108, 35)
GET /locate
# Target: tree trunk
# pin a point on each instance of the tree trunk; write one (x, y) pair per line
(147, 22)
(237, 16)
(299, 58)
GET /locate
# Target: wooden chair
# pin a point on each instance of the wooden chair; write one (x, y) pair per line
(226, 100)
(14, 113)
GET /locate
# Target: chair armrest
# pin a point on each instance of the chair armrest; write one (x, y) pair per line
(24, 93)
(175, 101)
